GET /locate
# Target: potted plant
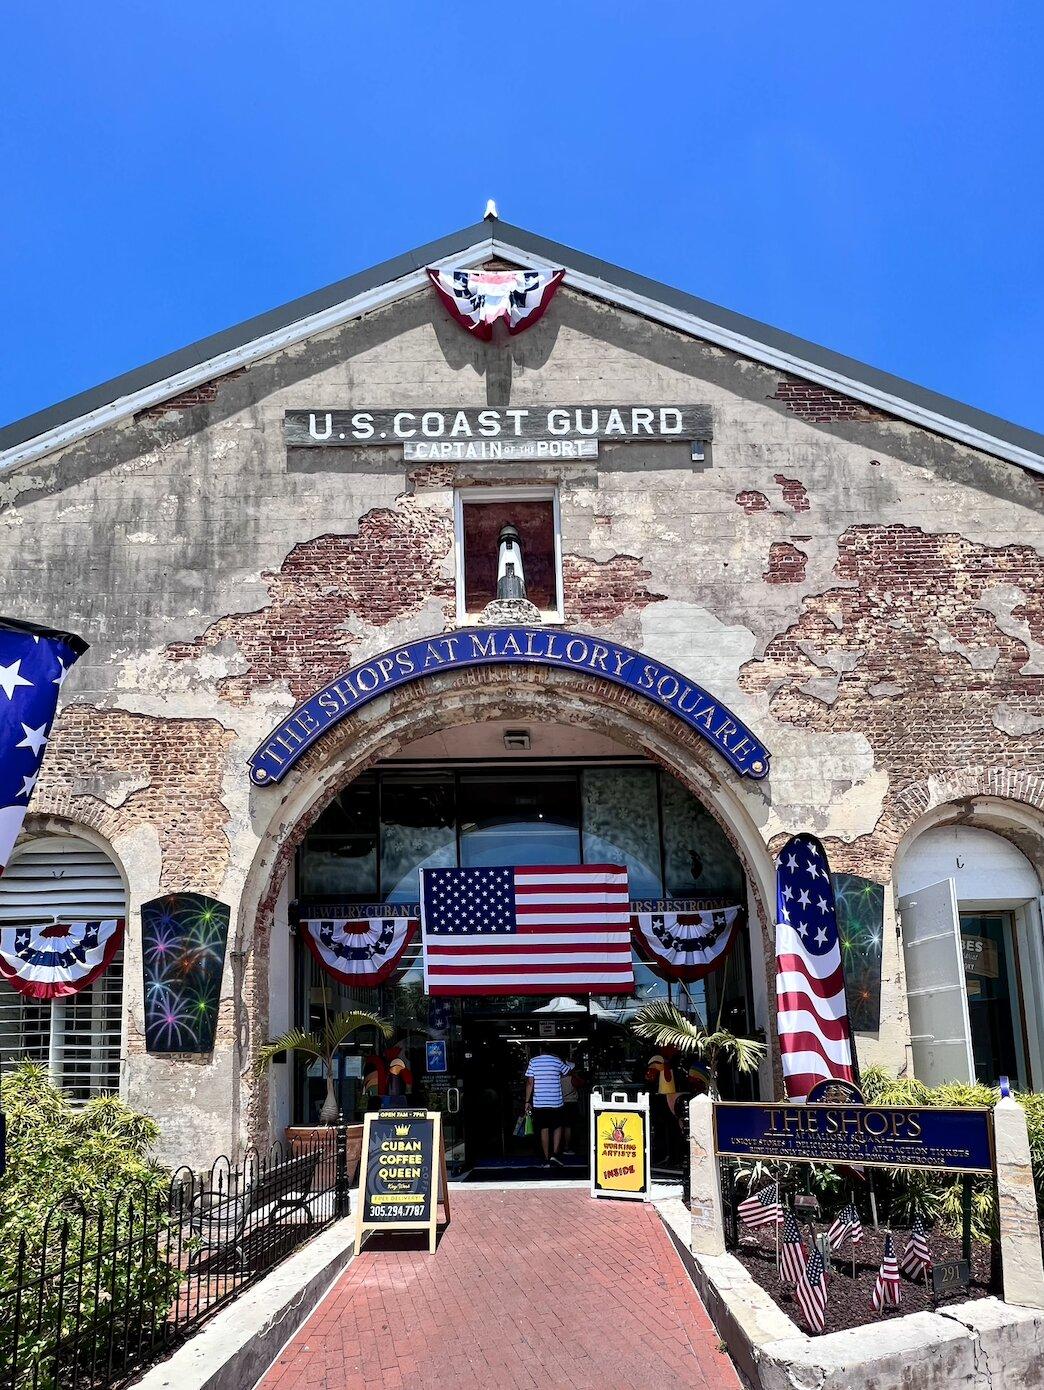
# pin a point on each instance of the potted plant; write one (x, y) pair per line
(323, 1046)
(663, 1023)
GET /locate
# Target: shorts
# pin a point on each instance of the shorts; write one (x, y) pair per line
(546, 1117)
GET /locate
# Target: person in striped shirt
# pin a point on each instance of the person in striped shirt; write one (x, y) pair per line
(544, 1100)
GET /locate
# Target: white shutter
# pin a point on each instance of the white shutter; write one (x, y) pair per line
(62, 877)
(940, 1031)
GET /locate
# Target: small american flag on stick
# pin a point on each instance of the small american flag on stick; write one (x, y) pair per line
(792, 1250)
(846, 1226)
(811, 1293)
(917, 1257)
(886, 1290)
(762, 1207)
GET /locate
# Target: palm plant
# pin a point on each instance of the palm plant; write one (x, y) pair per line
(662, 1022)
(323, 1047)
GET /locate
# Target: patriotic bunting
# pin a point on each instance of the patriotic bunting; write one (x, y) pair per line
(34, 662)
(685, 945)
(846, 1226)
(762, 1208)
(810, 1291)
(477, 298)
(815, 1039)
(51, 960)
(791, 1250)
(917, 1257)
(886, 1290)
(363, 950)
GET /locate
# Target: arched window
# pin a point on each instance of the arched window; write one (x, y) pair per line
(58, 878)
(969, 903)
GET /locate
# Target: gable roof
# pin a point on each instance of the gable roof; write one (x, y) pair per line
(79, 416)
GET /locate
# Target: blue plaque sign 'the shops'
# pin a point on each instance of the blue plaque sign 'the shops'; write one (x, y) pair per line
(879, 1136)
(274, 758)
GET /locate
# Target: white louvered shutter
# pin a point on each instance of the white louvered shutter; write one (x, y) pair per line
(62, 877)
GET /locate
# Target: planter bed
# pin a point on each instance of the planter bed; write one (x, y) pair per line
(849, 1301)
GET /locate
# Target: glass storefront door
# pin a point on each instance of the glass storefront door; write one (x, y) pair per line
(995, 1008)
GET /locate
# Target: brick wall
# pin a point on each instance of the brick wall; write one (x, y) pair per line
(819, 405)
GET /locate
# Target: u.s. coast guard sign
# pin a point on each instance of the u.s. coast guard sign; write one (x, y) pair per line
(660, 684)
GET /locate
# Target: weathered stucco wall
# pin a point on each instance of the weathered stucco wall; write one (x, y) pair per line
(866, 596)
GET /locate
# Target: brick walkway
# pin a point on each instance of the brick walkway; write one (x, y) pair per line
(527, 1289)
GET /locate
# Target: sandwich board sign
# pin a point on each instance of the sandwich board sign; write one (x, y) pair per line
(620, 1146)
(403, 1174)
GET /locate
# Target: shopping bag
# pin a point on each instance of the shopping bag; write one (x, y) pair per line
(528, 1128)
(520, 1127)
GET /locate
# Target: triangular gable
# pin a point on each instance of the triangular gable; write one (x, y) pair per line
(259, 337)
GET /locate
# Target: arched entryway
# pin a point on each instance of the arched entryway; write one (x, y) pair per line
(535, 697)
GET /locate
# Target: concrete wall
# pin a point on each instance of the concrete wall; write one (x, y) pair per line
(865, 595)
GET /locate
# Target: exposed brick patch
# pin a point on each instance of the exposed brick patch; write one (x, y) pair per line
(434, 475)
(393, 564)
(598, 591)
(184, 762)
(819, 405)
(752, 502)
(794, 494)
(901, 586)
(786, 564)
(203, 394)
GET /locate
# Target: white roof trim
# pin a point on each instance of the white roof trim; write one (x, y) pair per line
(75, 430)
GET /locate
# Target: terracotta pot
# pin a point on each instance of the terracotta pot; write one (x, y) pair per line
(301, 1138)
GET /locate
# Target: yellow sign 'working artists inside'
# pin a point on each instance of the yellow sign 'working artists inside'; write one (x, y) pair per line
(620, 1140)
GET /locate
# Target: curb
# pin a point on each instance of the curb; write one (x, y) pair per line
(236, 1347)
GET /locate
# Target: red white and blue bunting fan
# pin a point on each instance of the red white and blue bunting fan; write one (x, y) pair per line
(51, 960)
(815, 1038)
(34, 662)
(685, 945)
(477, 298)
(359, 951)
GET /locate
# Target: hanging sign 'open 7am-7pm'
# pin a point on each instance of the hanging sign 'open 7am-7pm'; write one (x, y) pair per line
(428, 656)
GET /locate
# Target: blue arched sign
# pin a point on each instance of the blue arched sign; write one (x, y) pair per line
(499, 646)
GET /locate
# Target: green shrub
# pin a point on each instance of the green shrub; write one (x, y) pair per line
(95, 1166)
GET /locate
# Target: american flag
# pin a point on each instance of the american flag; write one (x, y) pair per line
(886, 1290)
(34, 662)
(542, 929)
(917, 1257)
(846, 1226)
(477, 298)
(791, 1250)
(762, 1208)
(811, 1009)
(811, 1293)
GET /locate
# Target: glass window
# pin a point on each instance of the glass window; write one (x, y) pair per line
(698, 859)
(994, 998)
(418, 831)
(339, 857)
(622, 824)
(521, 820)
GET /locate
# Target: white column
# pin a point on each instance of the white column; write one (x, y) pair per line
(708, 1232)
(1017, 1208)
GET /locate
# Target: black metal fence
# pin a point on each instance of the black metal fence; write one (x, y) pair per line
(95, 1295)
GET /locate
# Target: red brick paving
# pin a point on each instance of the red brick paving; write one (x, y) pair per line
(527, 1289)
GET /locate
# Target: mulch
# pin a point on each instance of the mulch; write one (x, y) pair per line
(849, 1300)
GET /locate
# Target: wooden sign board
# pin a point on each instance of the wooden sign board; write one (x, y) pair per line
(402, 1178)
(620, 1153)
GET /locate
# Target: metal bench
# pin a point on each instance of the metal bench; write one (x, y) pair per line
(220, 1220)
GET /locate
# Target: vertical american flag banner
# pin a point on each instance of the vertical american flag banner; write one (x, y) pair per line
(34, 662)
(815, 1038)
(544, 929)
(477, 298)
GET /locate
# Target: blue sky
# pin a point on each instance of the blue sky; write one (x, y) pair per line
(871, 179)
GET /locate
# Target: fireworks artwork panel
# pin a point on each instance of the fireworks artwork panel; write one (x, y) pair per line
(860, 923)
(184, 936)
